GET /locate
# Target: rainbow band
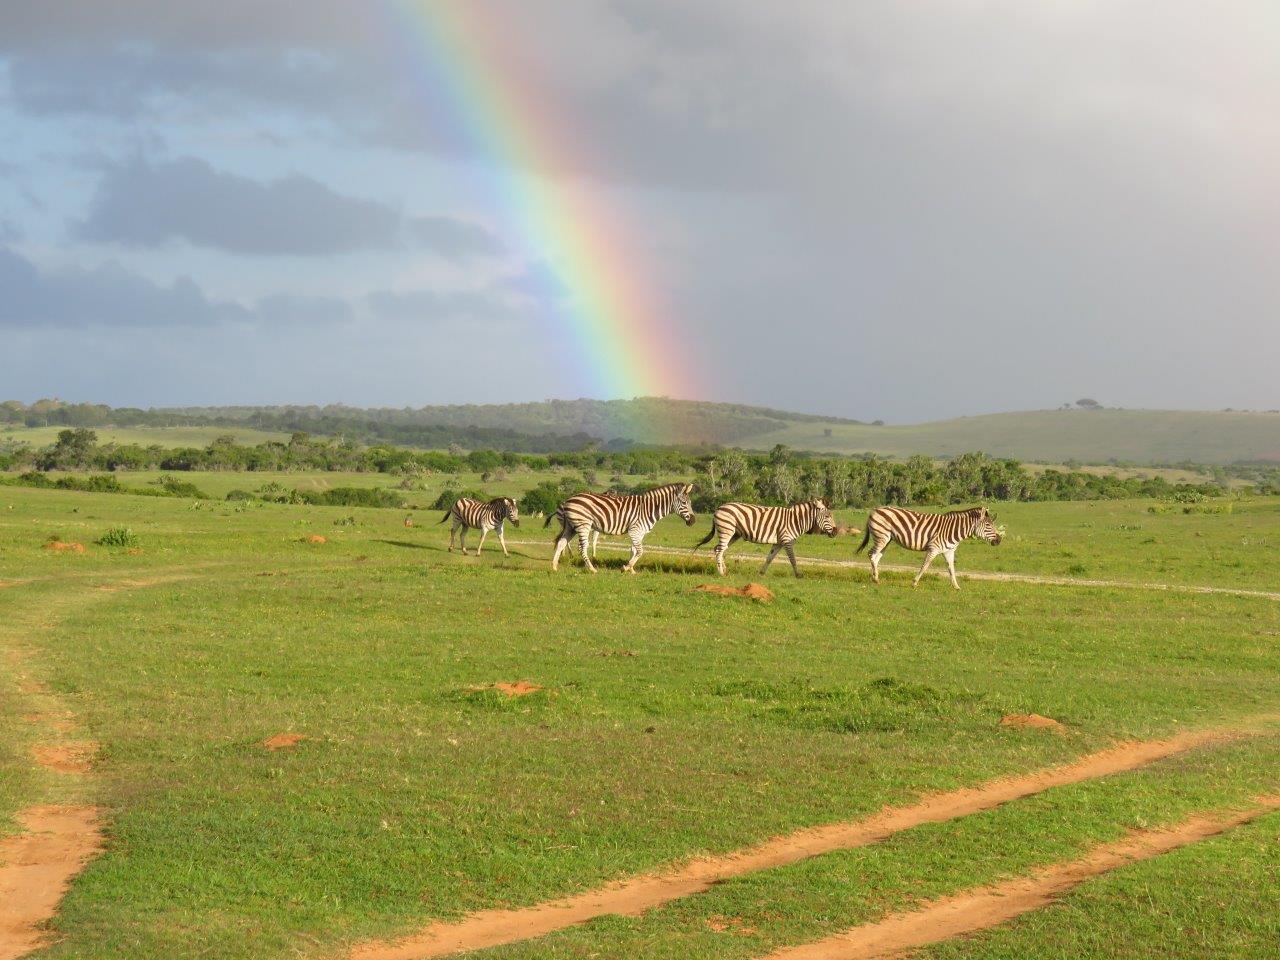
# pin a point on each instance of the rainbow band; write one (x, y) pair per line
(618, 331)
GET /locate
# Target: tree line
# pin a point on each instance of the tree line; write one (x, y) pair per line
(778, 477)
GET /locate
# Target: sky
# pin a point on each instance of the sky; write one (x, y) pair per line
(903, 211)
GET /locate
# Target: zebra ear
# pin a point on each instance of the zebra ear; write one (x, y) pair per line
(688, 488)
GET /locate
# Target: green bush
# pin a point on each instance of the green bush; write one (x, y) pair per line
(448, 497)
(356, 497)
(118, 537)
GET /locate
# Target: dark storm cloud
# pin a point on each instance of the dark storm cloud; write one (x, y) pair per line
(111, 296)
(145, 204)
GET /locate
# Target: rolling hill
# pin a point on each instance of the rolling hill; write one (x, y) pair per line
(1045, 436)
(1051, 436)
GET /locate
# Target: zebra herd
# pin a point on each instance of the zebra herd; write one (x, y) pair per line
(587, 515)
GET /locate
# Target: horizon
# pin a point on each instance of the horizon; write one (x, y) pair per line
(883, 212)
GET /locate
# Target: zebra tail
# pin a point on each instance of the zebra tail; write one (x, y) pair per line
(550, 516)
(448, 514)
(866, 538)
(707, 539)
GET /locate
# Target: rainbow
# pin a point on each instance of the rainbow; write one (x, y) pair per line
(596, 284)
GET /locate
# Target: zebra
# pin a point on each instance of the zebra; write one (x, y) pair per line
(467, 513)
(565, 529)
(780, 526)
(633, 514)
(934, 533)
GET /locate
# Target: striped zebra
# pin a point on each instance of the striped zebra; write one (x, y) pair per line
(467, 513)
(934, 533)
(780, 526)
(633, 514)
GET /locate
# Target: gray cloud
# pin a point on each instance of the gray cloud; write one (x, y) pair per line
(1036, 201)
(106, 296)
(432, 306)
(144, 204)
(111, 296)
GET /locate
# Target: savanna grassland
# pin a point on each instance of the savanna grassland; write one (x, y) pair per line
(666, 724)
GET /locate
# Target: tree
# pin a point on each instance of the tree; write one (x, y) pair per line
(1088, 404)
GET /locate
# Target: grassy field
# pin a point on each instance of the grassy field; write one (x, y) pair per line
(38, 437)
(669, 723)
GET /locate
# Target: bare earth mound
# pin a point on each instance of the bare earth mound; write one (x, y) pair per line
(37, 866)
(58, 546)
(283, 740)
(1030, 721)
(521, 688)
(752, 591)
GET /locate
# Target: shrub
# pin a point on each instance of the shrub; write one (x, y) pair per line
(118, 537)
(182, 488)
(356, 497)
(448, 497)
(239, 495)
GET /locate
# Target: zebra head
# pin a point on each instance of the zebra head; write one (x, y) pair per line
(506, 509)
(823, 521)
(683, 505)
(984, 526)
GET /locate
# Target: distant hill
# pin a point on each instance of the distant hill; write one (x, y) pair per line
(1055, 436)
(1045, 436)
(651, 420)
(1048, 436)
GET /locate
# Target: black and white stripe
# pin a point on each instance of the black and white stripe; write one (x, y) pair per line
(468, 513)
(934, 533)
(780, 526)
(615, 514)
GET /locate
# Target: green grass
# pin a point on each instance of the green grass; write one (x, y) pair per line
(671, 722)
(144, 436)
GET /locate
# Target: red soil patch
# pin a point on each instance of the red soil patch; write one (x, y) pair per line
(752, 591)
(283, 740)
(1033, 721)
(37, 866)
(58, 546)
(315, 538)
(69, 757)
(521, 688)
(987, 907)
(632, 897)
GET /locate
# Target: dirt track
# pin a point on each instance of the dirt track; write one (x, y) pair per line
(960, 574)
(632, 897)
(987, 907)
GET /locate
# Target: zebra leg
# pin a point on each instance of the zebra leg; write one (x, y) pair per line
(502, 540)
(769, 559)
(462, 538)
(951, 565)
(453, 528)
(562, 541)
(791, 555)
(928, 559)
(484, 532)
(584, 541)
(595, 544)
(877, 551)
(721, 547)
(637, 550)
